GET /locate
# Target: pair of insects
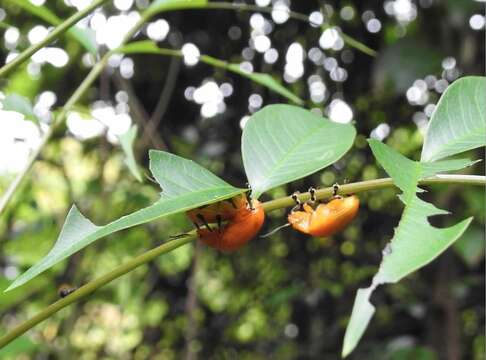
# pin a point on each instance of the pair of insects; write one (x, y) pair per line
(236, 221)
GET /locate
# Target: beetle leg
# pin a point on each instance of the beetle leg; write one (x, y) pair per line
(335, 189)
(203, 220)
(219, 220)
(178, 236)
(312, 192)
(248, 199)
(298, 203)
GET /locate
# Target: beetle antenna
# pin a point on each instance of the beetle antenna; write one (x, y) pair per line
(275, 230)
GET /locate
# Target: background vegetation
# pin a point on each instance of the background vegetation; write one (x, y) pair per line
(287, 296)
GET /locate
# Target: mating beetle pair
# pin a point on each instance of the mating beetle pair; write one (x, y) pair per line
(239, 219)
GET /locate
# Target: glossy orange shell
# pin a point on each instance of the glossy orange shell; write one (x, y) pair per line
(226, 209)
(237, 232)
(326, 219)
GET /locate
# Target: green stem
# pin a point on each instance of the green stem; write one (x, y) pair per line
(144, 258)
(58, 30)
(92, 286)
(293, 15)
(361, 186)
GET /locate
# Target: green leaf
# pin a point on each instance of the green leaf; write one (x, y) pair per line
(22, 345)
(20, 104)
(282, 143)
(267, 81)
(471, 246)
(84, 36)
(459, 120)
(415, 242)
(150, 47)
(168, 5)
(185, 185)
(126, 141)
(144, 47)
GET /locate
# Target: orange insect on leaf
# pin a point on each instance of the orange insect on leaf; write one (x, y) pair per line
(326, 219)
(238, 231)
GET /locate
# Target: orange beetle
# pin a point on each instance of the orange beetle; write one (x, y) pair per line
(217, 212)
(325, 219)
(240, 229)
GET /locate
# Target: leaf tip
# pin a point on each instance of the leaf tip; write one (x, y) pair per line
(346, 351)
(13, 285)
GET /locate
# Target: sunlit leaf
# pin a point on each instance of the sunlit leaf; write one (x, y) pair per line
(20, 104)
(459, 120)
(85, 37)
(282, 143)
(185, 185)
(126, 141)
(415, 242)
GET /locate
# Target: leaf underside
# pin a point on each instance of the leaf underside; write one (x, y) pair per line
(459, 120)
(282, 143)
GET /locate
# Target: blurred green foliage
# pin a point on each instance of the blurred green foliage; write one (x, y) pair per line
(284, 297)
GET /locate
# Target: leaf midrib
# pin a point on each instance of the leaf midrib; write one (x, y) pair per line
(281, 161)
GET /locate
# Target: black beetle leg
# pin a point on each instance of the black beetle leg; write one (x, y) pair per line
(203, 220)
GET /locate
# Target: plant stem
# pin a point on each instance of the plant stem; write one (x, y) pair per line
(369, 185)
(293, 15)
(144, 258)
(90, 287)
(58, 30)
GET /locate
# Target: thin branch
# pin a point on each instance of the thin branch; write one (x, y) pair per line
(90, 287)
(58, 30)
(138, 111)
(164, 98)
(191, 304)
(144, 258)
(350, 41)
